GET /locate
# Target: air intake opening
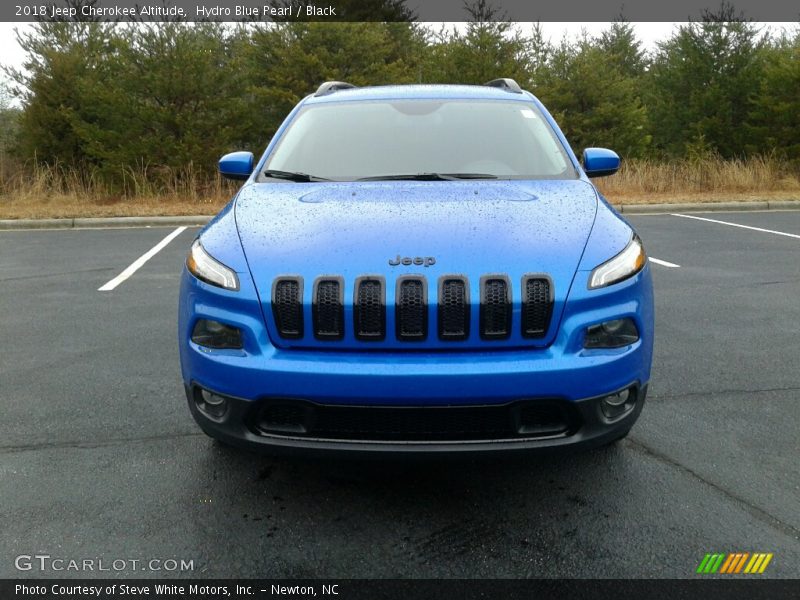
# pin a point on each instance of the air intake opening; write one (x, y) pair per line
(523, 419)
(545, 418)
(412, 309)
(287, 306)
(453, 308)
(537, 305)
(495, 307)
(328, 308)
(284, 417)
(369, 309)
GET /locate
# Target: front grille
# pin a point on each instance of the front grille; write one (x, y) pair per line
(328, 309)
(495, 308)
(453, 308)
(287, 306)
(369, 309)
(501, 317)
(524, 419)
(537, 306)
(412, 309)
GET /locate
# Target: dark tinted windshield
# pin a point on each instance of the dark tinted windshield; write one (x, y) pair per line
(357, 140)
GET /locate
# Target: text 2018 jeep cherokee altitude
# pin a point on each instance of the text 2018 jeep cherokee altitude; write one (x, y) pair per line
(422, 268)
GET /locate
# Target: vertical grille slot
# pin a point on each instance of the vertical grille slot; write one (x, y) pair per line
(495, 307)
(369, 309)
(412, 309)
(287, 306)
(453, 308)
(328, 310)
(537, 305)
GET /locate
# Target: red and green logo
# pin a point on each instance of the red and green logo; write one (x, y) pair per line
(734, 562)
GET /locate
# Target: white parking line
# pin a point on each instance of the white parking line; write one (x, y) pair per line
(137, 264)
(791, 235)
(663, 263)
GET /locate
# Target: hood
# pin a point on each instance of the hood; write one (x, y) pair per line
(466, 228)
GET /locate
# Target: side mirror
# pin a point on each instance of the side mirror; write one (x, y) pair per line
(598, 162)
(236, 165)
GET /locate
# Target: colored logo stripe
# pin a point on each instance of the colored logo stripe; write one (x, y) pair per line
(710, 563)
(758, 563)
(734, 562)
(727, 564)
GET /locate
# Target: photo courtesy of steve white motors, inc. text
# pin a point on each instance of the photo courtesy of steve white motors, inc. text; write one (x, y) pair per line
(167, 589)
(204, 11)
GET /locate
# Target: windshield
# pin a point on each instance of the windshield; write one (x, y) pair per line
(347, 141)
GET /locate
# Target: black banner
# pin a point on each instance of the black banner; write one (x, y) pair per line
(370, 589)
(393, 10)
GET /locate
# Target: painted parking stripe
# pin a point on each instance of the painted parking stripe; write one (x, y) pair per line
(663, 263)
(791, 235)
(137, 264)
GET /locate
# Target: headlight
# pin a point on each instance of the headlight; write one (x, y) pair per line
(625, 264)
(205, 268)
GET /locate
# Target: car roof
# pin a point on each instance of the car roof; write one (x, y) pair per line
(416, 92)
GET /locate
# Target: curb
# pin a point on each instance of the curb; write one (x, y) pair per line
(629, 209)
(104, 222)
(632, 209)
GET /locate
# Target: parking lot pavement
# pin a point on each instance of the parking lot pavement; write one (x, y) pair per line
(99, 457)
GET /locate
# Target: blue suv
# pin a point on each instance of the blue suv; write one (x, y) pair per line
(417, 269)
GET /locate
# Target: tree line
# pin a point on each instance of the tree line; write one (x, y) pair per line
(111, 98)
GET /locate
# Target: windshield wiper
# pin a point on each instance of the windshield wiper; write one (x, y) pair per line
(292, 176)
(429, 177)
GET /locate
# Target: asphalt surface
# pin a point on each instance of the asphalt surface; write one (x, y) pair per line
(100, 459)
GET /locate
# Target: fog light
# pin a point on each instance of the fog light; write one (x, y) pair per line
(210, 403)
(611, 334)
(616, 405)
(213, 334)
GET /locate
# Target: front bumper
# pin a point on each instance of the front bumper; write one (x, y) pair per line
(564, 372)
(588, 427)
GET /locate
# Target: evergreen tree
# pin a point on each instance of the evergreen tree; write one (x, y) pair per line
(624, 49)
(60, 56)
(702, 86)
(594, 101)
(490, 48)
(775, 110)
(287, 61)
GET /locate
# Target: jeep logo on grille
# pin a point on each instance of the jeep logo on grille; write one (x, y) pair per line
(425, 261)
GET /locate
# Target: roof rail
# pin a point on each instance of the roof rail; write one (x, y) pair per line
(331, 86)
(506, 84)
